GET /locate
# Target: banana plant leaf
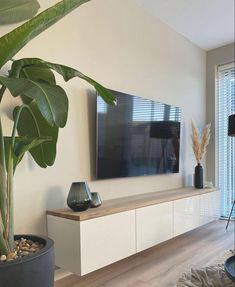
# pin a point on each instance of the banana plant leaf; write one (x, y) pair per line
(45, 153)
(66, 72)
(15, 40)
(13, 11)
(52, 100)
(35, 73)
(69, 73)
(22, 145)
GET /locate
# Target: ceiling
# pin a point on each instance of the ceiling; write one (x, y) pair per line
(207, 23)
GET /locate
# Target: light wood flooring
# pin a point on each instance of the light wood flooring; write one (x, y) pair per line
(162, 265)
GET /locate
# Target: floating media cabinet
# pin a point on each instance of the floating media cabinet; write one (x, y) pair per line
(86, 241)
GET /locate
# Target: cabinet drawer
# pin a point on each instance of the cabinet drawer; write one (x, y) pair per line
(84, 246)
(186, 214)
(154, 224)
(106, 239)
(66, 236)
(209, 207)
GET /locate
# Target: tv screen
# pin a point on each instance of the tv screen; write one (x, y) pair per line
(136, 137)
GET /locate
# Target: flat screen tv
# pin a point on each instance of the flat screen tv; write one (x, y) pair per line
(136, 137)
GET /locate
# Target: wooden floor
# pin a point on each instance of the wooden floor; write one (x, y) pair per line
(162, 265)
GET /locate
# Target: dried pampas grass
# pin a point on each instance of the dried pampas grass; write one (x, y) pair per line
(199, 144)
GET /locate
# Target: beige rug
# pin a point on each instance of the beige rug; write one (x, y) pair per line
(212, 275)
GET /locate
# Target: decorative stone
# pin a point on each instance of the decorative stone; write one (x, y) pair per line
(23, 247)
(11, 256)
(3, 258)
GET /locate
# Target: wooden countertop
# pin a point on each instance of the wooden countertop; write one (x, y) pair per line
(129, 203)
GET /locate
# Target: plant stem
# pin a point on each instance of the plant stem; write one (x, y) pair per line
(10, 179)
(10, 220)
(4, 246)
(4, 250)
(3, 193)
(2, 91)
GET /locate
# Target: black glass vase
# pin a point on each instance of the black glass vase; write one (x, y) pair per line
(79, 197)
(198, 176)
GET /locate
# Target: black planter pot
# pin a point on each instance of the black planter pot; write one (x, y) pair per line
(198, 176)
(36, 270)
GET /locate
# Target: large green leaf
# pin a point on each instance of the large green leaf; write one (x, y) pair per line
(13, 11)
(15, 40)
(45, 153)
(52, 100)
(36, 73)
(67, 73)
(22, 145)
(26, 144)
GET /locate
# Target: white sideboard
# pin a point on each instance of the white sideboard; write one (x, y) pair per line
(89, 240)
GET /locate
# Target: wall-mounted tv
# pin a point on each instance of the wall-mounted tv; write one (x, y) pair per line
(136, 137)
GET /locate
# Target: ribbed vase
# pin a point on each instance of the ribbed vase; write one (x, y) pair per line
(198, 176)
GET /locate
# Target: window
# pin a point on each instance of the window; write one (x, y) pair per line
(225, 144)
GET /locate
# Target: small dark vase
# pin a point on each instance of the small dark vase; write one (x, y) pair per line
(96, 200)
(79, 198)
(198, 176)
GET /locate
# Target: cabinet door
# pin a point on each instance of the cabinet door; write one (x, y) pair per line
(209, 207)
(65, 234)
(154, 224)
(106, 239)
(186, 214)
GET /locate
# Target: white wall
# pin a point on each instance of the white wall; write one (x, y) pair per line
(125, 48)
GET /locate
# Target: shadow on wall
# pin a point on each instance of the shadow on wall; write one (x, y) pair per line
(55, 198)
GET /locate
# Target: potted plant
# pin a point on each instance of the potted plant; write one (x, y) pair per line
(37, 122)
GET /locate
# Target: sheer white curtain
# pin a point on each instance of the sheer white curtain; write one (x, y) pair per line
(225, 144)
